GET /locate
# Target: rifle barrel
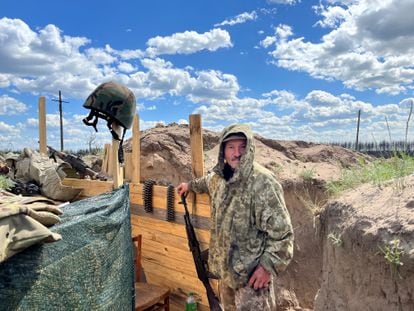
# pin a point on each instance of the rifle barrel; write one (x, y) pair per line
(196, 252)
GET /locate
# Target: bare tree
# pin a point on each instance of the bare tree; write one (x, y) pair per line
(91, 141)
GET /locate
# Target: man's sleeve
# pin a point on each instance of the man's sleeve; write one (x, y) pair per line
(200, 185)
(273, 218)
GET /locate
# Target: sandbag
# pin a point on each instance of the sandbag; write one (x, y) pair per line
(31, 165)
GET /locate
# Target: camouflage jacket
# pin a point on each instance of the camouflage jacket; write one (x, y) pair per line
(250, 222)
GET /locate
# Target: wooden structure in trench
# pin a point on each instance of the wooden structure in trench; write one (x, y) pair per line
(166, 258)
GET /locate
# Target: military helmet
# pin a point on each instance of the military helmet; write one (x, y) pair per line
(114, 101)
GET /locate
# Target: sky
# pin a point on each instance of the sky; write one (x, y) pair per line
(293, 70)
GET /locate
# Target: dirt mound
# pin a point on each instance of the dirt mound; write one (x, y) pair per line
(361, 228)
(166, 155)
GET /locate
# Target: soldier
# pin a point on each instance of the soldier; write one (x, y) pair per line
(251, 234)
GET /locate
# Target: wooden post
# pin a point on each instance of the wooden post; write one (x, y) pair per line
(105, 164)
(357, 134)
(197, 155)
(117, 176)
(42, 125)
(196, 144)
(127, 169)
(136, 151)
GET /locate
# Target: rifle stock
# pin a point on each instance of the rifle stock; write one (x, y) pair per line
(200, 267)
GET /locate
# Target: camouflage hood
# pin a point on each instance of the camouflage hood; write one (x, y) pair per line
(246, 162)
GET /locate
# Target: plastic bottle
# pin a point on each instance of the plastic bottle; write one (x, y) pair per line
(191, 303)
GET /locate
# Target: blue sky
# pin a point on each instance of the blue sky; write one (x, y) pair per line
(292, 69)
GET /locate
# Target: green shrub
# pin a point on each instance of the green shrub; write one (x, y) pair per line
(376, 172)
(5, 182)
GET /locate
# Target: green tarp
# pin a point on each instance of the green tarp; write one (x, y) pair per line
(91, 268)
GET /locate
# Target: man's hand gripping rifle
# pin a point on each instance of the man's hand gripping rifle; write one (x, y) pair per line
(199, 263)
(77, 164)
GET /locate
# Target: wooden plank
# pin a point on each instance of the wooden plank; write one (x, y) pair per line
(136, 151)
(159, 200)
(136, 188)
(128, 166)
(198, 222)
(117, 177)
(196, 144)
(174, 229)
(42, 125)
(168, 251)
(89, 187)
(164, 238)
(167, 262)
(110, 162)
(179, 283)
(107, 152)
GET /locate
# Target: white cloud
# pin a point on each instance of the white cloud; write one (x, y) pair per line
(188, 42)
(11, 106)
(45, 61)
(99, 56)
(163, 78)
(332, 15)
(289, 2)
(319, 115)
(7, 129)
(126, 67)
(268, 41)
(369, 46)
(239, 19)
(283, 31)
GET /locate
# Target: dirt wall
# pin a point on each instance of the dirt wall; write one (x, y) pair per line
(359, 229)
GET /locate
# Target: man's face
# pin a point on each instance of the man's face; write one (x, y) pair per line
(233, 150)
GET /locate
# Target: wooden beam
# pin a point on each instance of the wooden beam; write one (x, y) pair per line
(159, 200)
(161, 214)
(117, 176)
(136, 151)
(173, 229)
(42, 125)
(105, 164)
(128, 166)
(89, 187)
(196, 144)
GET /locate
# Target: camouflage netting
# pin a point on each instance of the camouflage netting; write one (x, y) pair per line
(91, 268)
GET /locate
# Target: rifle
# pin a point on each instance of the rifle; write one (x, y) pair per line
(77, 164)
(197, 256)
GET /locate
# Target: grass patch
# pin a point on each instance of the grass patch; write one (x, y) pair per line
(5, 182)
(376, 172)
(335, 239)
(392, 254)
(308, 174)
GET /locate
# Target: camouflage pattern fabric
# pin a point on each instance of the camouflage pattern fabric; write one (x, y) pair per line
(113, 100)
(19, 230)
(251, 224)
(40, 209)
(32, 166)
(247, 299)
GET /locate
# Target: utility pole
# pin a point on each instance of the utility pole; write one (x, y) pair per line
(61, 118)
